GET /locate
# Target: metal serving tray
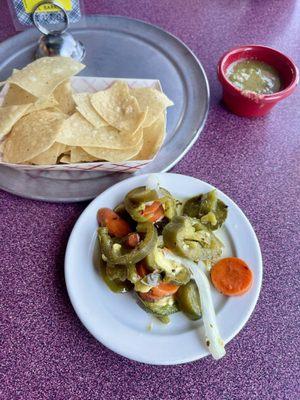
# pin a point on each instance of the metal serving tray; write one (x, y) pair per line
(124, 48)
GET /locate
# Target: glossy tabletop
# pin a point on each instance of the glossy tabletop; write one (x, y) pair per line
(45, 351)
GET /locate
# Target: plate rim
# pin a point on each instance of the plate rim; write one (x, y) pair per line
(242, 322)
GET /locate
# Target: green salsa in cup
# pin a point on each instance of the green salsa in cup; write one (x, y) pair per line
(254, 76)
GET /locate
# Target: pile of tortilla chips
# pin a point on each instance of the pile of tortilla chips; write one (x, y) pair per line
(44, 122)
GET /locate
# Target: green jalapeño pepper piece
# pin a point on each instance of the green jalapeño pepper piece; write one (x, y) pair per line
(116, 272)
(136, 201)
(116, 253)
(157, 310)
(168, 202)
(115, 285)
(188, 300)
(211, 211)
(189, 238)
(132, 274)
(178, 278)
(161, 308)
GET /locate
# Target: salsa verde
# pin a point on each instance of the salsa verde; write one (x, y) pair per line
(254, 76)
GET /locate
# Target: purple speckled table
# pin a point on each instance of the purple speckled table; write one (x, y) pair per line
(47, 354)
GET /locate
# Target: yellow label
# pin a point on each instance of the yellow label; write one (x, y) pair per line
(30, 4)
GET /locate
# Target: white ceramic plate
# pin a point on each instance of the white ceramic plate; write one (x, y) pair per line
(118, 322)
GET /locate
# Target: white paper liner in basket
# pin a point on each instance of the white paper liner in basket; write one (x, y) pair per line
(91, 84)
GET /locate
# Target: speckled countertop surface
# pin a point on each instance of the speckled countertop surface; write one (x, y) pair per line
(47, 354)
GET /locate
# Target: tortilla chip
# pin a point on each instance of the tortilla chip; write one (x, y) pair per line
(16, 96)
(43, 75)
(42, 103)
(114, 155)
(49, 156)
(32, 135)
(84, 106)
(77, 131)
(116, 106)
(9, 115)
(154, 100)
(2, 146)
(63, 94)
(79, 155)
(153, 137)
(65, 159)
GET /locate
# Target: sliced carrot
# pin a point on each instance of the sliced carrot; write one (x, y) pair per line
(149, 297)
(151, 208)
(116, 226)
(153, 212)
(164, 289)
(231, 276)
(132, 240)
(157, 292)
(157, 215)
(160, 291)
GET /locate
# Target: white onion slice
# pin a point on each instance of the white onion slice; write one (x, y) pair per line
(214, 341)
(152, 183)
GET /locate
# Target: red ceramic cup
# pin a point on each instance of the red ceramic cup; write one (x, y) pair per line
(251, 104)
